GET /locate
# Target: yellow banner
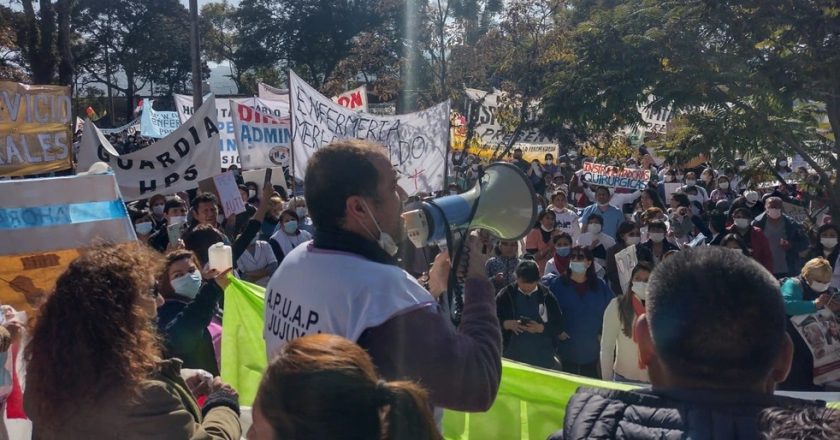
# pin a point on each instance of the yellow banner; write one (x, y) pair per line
(530, 151)
(26, 280)
(35, 131)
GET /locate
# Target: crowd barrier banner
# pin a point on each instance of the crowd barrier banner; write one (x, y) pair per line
(224, 119)
(130, 129)
(175, 163)
(614, 177)
(35, 129)
(530, 405)
(263, 140)
(43, 223)
(155, 124)
(415, 142)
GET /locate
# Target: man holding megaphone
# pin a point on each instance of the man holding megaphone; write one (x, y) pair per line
(347, 282)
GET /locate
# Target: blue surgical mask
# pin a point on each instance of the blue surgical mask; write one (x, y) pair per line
(188, 284)
(578, 266)
(290, 226)
(143, 228)
(564, 251)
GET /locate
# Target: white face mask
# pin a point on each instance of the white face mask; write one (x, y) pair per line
(595, 228)
(640, 289)
(828, 242)
(143, 228)
(158, 209)
(742, 223)
(724, 185)
(251, 194)
(301, 212)
(177, 220)
(657, 237)
(669, 178)
(631, 240)
(385, 241)
(690, 182)
(818, 287)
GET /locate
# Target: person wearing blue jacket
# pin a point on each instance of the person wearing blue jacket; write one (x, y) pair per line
(804, 295)
(583, 297)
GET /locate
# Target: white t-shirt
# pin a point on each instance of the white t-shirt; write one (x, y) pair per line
(288, 242)
(619, 353)
(262, 257)
(567, 221)
(323, 291)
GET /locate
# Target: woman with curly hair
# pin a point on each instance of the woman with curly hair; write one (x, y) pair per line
(94, 367)
(326, 387)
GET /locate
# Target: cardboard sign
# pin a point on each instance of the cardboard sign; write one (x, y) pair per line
(258, 177)
(175, 163)
(226, 190)
(415, 143)
(44, 223)
(615, 177)
(626, 260)
(35, 124)
(821, 332)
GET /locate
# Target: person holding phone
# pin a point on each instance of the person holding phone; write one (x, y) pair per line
(531, 319)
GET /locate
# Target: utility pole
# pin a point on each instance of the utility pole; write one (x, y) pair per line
(195, 49)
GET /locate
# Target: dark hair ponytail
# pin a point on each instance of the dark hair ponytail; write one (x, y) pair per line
(408, 416)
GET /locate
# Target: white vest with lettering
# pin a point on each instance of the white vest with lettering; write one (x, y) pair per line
(324, 291)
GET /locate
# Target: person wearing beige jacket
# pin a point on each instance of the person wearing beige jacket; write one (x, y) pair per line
(93, 364)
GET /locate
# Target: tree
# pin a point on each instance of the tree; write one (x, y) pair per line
(44, 40)
(146, 41)
(220, 39)
(10, 54)
(747, 76)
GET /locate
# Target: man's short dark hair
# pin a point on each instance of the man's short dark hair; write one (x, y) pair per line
(717, 220)
(528, 271)
(716, 317)
(659, 225)
(336, 172)
(173, 202)
(204, 198)
(596, 217)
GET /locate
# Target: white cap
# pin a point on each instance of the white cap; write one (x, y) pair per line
(751, 196)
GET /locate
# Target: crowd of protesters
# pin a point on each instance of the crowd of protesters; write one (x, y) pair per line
(702, 319)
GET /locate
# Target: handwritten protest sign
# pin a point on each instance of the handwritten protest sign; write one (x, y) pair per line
(263, 140)
(614, 177)
(157, 124)
(415, 143)
(43, 223)
(626, 260)
(225, 188)
(799, 213)
(229, 155)
(821, 332)
(355, 99)
(35, 124)
(175, 163)
(670, 189)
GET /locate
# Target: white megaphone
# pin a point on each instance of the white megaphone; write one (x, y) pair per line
(502, 203)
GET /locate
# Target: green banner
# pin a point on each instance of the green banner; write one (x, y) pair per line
(531, 403)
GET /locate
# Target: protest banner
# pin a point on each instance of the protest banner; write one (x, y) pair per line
(226, 190)
(531, 152)
(415, 142)
(265, 91)
(355, 99)
(155, 124)
(799, 213)
(263, 140)
(626, 260)
(489, 129)
(614, 177)
(670, 189)
(175, 163)
(35, 129)
(131, 128)
(224, 120)
(821, 332)
(44, 222)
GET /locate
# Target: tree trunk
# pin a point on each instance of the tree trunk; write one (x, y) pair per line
(65, 66)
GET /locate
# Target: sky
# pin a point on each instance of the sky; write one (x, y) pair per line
(204, 2)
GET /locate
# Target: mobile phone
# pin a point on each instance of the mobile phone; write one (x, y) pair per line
(175, 232)
(524, 320)
(267, 179)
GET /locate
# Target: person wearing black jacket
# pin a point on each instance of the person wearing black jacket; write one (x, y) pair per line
(530, 317)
